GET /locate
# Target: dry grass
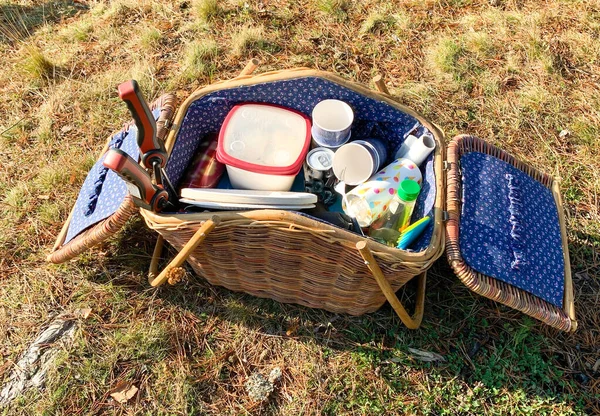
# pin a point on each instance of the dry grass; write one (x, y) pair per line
(249, 39)
(514, 73)
(378, 22)
(38, 66)
(206, 9)
(336, 8)
(150, 38)
(199, 57)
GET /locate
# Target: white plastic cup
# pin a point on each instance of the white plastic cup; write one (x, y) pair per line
(317, 143)
(355, 162)
(377, 148)
(331, 123)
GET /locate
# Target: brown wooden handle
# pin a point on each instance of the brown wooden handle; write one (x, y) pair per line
(413, 322)
(250, 67)
(380, 84)
(185, 252)
(160, 242)
(60, 239)
(569, 300)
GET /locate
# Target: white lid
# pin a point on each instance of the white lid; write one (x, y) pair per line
(264, 135)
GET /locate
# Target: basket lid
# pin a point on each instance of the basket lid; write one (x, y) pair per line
(103, 205)
(506, 237)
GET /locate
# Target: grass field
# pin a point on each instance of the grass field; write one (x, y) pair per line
(524, 75)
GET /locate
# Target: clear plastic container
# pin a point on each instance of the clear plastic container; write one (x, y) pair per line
(389, 226)
(263, 146)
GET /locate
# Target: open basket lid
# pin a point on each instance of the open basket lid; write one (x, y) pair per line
(104, 205)
(505, 236)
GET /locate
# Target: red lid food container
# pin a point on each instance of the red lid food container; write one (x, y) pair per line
(263, 146)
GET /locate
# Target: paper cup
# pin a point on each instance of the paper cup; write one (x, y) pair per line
(377, 148)
(316, 142)
(332, 120)
(369, 200)
(356, 162)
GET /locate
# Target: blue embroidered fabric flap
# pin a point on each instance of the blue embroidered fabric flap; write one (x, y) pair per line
(103, 190)
(509, 227)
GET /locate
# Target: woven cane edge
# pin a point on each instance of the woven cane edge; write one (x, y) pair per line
(238, 280)
(167, 224)
(481, 284)
(96, 234)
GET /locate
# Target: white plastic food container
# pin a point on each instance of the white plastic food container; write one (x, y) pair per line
(263, 146)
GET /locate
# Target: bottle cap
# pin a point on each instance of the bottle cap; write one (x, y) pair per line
(408, 190)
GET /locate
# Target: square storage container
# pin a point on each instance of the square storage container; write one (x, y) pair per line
(263, 146)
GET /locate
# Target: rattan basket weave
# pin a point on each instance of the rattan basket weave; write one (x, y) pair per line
(288, 257)
(560, 318)
(104, 229)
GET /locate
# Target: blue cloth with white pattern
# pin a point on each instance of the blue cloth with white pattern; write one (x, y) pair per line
(509, 227)
(373, 118)
(103, 190)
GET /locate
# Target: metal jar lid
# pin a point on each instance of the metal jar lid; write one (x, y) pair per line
(320, 159)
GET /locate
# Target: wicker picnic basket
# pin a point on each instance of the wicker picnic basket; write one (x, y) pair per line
(295, 258)
(291, 258)
(99, 232)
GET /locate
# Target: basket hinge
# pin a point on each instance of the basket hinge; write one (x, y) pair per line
(169, 124)
(447, 165)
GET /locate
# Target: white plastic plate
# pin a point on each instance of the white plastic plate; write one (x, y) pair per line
(234, 206)
(242, 196)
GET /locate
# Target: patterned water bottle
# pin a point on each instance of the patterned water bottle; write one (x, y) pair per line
(369, 200)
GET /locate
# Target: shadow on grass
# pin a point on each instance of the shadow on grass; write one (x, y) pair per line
(487, 349)
(17, 22)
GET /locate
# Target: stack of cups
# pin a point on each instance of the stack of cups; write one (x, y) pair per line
(359, 163)
(332, 120)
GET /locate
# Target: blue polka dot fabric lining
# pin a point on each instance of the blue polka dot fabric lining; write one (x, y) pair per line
(103, 190)
(372, 119)
(509, 227)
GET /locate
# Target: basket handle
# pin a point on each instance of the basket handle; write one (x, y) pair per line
(413, 322)
(380, 85)
(182, 256)
(250, 67)
(158, 247)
